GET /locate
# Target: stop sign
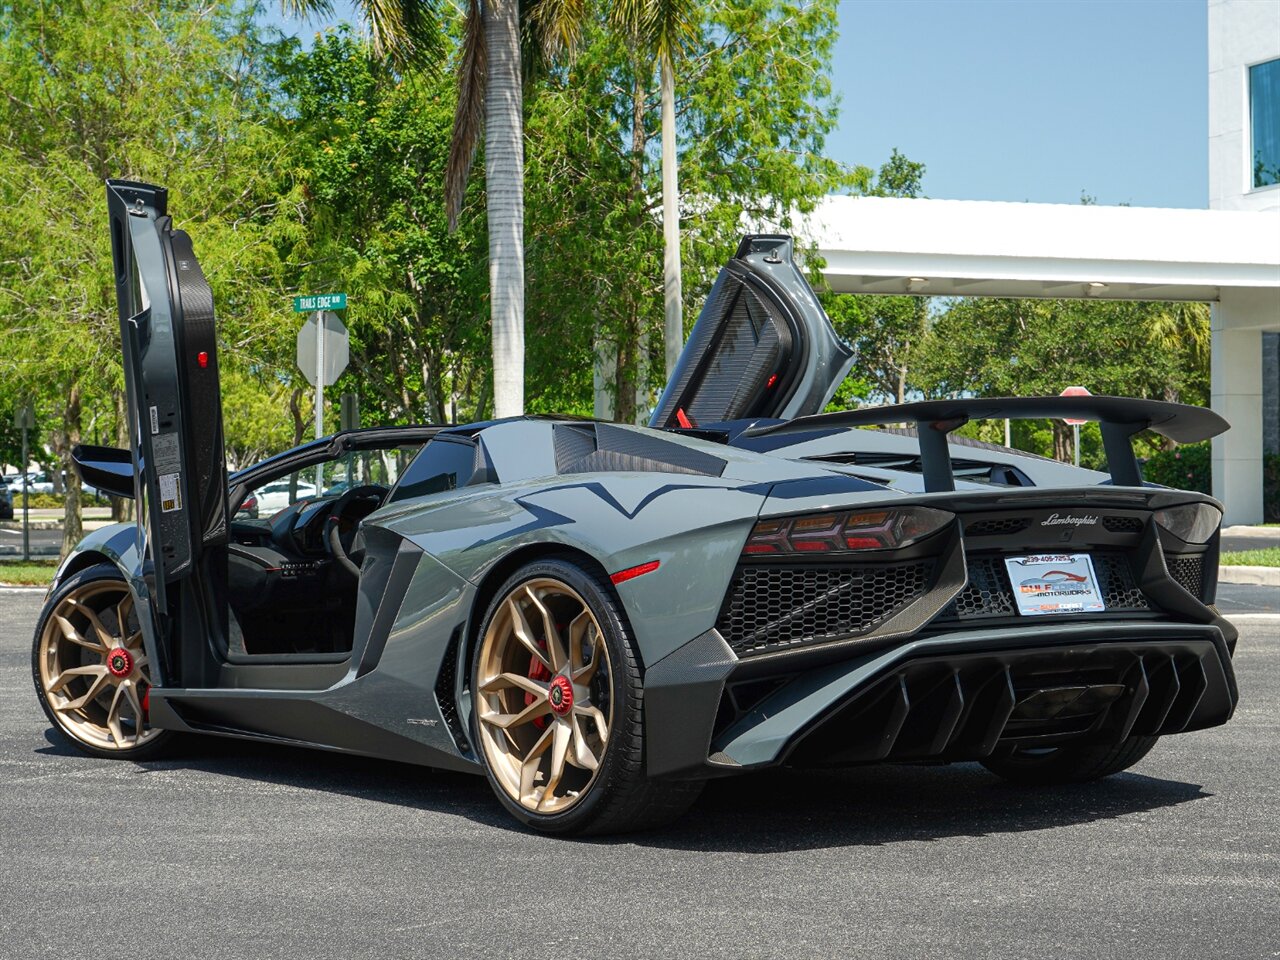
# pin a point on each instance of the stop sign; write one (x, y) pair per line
(1074, 392)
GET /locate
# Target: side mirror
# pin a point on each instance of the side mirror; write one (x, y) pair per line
(107, 468)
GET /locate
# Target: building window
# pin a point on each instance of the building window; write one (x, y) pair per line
(1264, 122)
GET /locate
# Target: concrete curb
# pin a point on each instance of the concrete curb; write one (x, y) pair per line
(1262, 576)
(35, 524)
(1261, 533)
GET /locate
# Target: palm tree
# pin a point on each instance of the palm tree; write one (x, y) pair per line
(663, 28)
(490, 93)
(490, 90)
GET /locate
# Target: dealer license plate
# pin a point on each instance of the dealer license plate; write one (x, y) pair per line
(1054, 583)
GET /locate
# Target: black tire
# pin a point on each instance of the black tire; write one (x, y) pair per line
(621, 798)
(158, 741)
(1073, 763)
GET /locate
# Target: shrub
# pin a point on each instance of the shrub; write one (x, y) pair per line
(1187, 467)
(51, 501)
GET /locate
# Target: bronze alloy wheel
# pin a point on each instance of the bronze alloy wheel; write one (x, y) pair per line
(92, 667)
(543, 695)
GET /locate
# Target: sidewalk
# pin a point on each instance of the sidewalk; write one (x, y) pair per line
(1244, 537)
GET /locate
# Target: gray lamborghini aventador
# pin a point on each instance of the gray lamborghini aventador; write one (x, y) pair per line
(600, 617)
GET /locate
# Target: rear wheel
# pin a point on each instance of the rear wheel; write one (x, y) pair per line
(557, 707)
(90, 667)
(1073, 763)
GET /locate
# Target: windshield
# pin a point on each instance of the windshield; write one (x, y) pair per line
(329, 479)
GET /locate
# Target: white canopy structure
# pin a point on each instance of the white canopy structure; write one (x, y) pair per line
(1228, 258)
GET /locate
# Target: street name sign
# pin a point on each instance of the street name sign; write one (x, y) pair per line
(320, 301)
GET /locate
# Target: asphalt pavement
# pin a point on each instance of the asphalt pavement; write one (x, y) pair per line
(44, 543)
(233, 850)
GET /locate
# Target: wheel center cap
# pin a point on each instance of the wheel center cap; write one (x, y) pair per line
(119, 662)
(560, 695)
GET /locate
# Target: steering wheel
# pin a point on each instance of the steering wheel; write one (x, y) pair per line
(366, 493)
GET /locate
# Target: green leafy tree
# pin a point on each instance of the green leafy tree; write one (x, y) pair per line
(752, 121)
(993, 347)
(417, 290)
(886, 331)
(80, 108)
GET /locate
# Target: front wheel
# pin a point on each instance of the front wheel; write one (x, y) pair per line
(90, 667)
(1073, 763)
(558, 707)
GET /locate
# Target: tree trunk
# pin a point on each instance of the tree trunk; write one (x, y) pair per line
(504, 183)
(68, 437)
(624, 408)
(627, 371)
(299, 428)
(673, 326)
(122, 508)
(605, 362)
(1061, 441)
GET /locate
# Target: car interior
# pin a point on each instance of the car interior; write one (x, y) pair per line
(294, 556)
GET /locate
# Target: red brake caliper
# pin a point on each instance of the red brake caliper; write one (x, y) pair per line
(538, 672)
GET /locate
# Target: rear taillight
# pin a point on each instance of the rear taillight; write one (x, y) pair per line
(1192, 523)
(844, 531)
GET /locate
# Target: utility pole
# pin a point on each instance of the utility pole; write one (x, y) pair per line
(25, 420)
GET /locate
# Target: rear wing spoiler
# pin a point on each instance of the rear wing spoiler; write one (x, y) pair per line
(1119, 417)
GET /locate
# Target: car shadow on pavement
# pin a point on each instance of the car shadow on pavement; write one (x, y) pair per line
(767, 812)
(382, 781)
(782, 810)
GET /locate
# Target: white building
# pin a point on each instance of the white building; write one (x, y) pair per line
(1244, 174)
(1228, 256)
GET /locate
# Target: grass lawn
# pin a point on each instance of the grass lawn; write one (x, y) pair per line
(36, 572)
(1267, 557)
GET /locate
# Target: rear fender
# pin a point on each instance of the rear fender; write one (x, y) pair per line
(693, 526)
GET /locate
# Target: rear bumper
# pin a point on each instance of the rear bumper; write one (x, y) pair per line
(951, 696)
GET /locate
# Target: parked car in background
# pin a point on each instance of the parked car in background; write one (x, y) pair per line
(40, 483)
(248, 509)
(6, 504)
(274, 497)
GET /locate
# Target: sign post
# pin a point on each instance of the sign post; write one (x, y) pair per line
(324, 347)
(25, 420)
(350, 420)
(1075, 424)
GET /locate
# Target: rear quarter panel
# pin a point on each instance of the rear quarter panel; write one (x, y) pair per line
(693, 526)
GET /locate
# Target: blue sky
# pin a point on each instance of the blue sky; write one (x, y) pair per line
(1035, 100)
(1030, 99)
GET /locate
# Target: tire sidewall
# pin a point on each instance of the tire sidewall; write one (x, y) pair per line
(625, 690)
(93, 574)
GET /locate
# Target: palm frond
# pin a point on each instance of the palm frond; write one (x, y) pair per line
(557, 24)
(664, 27)
(305, 9)
(407, 32)
(674, 26)
(468, 116)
